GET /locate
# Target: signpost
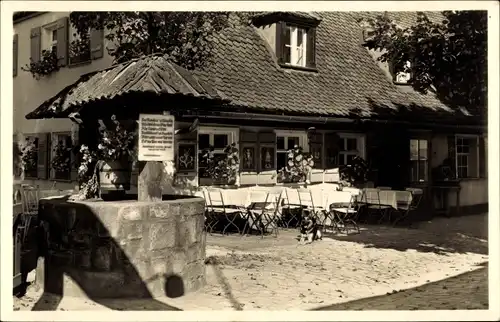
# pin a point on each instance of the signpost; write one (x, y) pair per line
(156, 144)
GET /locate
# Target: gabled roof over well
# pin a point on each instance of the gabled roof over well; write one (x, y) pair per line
(152, 74)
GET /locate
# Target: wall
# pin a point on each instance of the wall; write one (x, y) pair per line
(269, 34)
(473, 191)
(29, 93)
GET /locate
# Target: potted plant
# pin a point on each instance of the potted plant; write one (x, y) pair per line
(45, 66)
(355, 174)
(298, 167)
(223, 168)
(112, 160)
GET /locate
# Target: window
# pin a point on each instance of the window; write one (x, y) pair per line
(295, 46)
(418, 160)
(400, 76)
(349, 147)
(30, 157)
(286, 141)
(467, 156)
(60, 164)
(216, 138)
(49, 37)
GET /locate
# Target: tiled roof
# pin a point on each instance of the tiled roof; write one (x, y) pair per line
(154, 74)
(348, 80)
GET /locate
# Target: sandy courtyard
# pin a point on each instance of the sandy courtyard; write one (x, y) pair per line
(250, 273)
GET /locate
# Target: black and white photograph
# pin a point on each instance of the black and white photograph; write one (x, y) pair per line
(329, 158)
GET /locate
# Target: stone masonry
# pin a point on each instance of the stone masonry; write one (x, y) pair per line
(123, 248)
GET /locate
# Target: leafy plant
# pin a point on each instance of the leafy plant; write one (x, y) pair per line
(61, 160)
(448, 57)
(87, 173)
(45, 66)
(223, 169)
(79, 49)
(29, 156)
(298, 167)
(186, 37)
(356, 172)
(116, 141)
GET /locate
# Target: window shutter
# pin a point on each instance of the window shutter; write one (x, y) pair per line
(452, 155)
(311, 48)
(14, 54)
(62, 41)
(331, 150)
(36, 44)
(248, 140)
(280, 41)
(266, 143)
(483, 168)
(43, 155)
(97, 43)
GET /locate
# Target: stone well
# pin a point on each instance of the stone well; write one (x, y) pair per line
(113, 249)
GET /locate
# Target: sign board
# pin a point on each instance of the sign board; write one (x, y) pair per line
(156, 137)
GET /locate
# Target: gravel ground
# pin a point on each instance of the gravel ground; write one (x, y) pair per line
(340, 272)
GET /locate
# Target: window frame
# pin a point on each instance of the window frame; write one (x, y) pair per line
(54, 138)
(233, 137)
(294, 29)
(426, 161)
(47, 33)
(360, 145)
(469, 154)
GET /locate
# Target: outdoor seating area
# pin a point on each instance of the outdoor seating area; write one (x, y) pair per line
(267, 210)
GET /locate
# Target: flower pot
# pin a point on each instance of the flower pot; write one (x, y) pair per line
(115, 176)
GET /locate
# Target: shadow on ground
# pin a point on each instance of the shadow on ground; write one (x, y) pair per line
(441, 236)
(468, 291)
(67, 250)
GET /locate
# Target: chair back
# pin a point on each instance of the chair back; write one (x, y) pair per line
(384, 188)
(305, 198)
(353, 191)
(416, 197)
(256, 196)
(273, 201)
(291, 197)
(215, 198)
(30, 196)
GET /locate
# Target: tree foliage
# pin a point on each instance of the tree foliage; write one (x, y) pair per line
(186, 37)
(448, 57)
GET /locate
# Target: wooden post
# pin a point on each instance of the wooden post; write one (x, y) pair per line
(149, 185)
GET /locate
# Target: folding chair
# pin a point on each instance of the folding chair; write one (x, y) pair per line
(271, 213)
(218, 207)
(211, 218)
(408, 201)
(291, 202)
(256, 200)
(30, 197)
(307, 203)
(384, 188)
(342, 211)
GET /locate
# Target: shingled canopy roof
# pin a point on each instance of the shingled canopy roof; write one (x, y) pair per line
(151, 74)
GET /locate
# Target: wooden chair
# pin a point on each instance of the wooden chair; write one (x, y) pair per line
(384, 188)
(30, 197)
(211, 218)
(256, 199)
(271, 213)
(307, 203)
(407, 202)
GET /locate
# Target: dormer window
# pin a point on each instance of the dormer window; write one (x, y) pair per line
(295, 52)
(294, 42)
(400, 76)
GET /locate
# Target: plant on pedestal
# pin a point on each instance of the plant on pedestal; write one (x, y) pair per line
(222, 168)
(110, 163)
(354, 174)
(298, 167)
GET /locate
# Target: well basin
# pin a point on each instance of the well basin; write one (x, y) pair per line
(116, 249)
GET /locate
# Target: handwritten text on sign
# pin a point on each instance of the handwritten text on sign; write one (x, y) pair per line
(156, 137)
